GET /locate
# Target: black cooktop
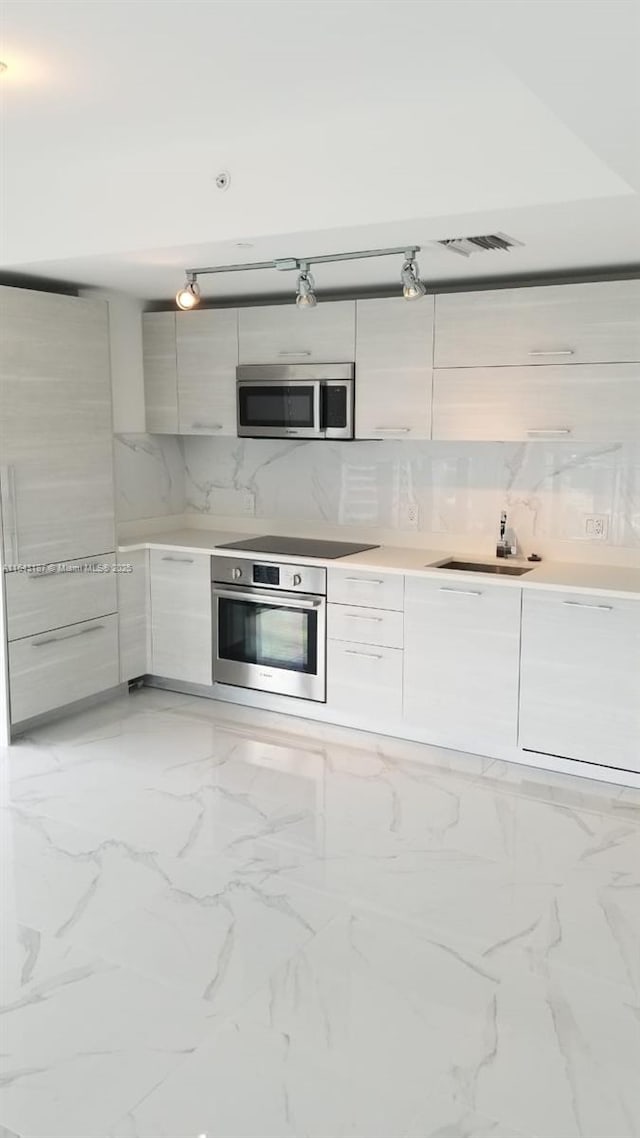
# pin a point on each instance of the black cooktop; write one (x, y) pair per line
(297, 546)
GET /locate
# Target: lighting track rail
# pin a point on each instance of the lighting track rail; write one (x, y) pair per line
(412, 287)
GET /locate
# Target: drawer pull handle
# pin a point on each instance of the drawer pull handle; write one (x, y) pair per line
(547, 432)
(71, 636)
(584, 605)
(394, 430)
(180, 560)
(302, 352)
(364, 581)
(365, 655)
(461, 592)
(357, 616)
(207, 426)
(35, 574)
(557, 352)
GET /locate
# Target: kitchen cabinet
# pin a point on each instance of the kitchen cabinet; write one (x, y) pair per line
(59, 667)
(58, 500)
(369, 590)
(60, 594)
(284, 333)
(133, 609)
(181, 628)
(362, 677)
(580, 681)
(207, 355)
(461, 661)
(394, 352)
(592, 322)
(365, 625)
(574, 403)
(160, 372)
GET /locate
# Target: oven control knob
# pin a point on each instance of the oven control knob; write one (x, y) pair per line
(297, 579)
(237, 574)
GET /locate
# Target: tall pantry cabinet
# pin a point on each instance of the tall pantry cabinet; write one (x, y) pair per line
(60, 637)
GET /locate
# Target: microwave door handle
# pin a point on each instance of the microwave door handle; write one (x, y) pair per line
(282, 600)
(318, 406)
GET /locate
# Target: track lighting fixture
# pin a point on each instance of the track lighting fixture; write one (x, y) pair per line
(189, 295)
(305, 293)
(412, 286)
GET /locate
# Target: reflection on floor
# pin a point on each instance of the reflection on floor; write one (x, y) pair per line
(220, 922)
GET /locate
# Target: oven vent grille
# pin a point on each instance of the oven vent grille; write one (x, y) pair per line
(465, 246)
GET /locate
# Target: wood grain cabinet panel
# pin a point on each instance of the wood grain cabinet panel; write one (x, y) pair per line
(160, 372)
(369, 590)
(580, 681)
(394, 352)
(207, 355)
(461, 661)
(59, 667)
(365, 679)
(60, 594)
(284, 333)
(572, 403)
(181, 626)
(592, 322)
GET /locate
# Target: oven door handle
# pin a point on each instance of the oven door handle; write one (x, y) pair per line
(282, 600)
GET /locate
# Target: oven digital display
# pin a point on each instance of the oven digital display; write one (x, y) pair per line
(266, 575)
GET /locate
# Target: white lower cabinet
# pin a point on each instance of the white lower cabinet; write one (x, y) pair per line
(133, 610)
(60, 594)
(181, 630)
(580, 680)
(461, 666)
(370, 590)
(59, 667)
(365, 679)
(365, 625)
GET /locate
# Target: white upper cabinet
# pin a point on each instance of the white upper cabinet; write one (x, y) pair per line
(595, 322)
(580, 680)
(580, 403)
(284, 333)
(160, 372)
(207, 355)
(55, 380)
(461, 648)
(394, 351)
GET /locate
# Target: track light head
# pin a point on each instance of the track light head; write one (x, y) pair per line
(305, 293)
(189, 295)
(412, 286)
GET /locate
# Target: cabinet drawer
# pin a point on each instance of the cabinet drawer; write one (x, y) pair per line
(281, 334)
(577, 402)
(366, 590)
(364, 679)
(593, 322)
(57, 668)
(365, 625)
(68, 592)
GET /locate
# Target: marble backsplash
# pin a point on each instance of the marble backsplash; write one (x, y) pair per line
(439, 488)
(149, 476)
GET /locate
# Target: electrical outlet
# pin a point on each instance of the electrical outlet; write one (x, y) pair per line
(410, 516)
(248, 502)
(596, 525)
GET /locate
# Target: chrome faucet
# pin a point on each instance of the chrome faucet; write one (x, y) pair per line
(504, 548)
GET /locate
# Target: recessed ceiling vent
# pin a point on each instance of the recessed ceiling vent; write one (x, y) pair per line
(465, 246)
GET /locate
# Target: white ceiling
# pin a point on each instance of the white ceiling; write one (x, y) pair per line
(344, 125)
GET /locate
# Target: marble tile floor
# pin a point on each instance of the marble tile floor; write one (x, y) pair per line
(218, 922)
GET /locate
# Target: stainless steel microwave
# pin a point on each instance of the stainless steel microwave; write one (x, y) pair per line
(300, 401)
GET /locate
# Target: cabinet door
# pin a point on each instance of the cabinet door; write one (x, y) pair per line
(58, 503)
(284, 333)
(581, 402)
(461, 661)
(207, 354)
(580, 683)
(61, 594)
(181, 631)
(394, 351)
(133, 614)
(594, 322)
(55, 380)
(365, 680)
(160, 372)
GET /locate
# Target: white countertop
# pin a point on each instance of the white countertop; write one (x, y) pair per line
(612, 580)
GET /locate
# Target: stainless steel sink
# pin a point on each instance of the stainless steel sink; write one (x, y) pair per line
(476, 567)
